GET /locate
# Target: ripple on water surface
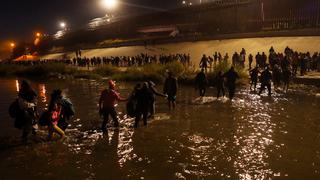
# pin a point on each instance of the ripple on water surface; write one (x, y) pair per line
(252, 137)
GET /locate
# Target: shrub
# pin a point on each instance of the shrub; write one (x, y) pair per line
(106, 70)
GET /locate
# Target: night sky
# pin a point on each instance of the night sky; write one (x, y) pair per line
(20, 19)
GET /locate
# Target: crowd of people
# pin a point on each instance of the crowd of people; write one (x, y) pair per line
(117, 61)
(140, 105)
(275, 69)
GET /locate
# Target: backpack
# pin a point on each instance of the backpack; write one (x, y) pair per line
(68, 109)
(14, 109)
(44, 119)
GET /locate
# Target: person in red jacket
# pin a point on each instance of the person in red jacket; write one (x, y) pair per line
(108, 100)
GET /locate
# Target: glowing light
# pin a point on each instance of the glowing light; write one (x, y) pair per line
(109, 4)
(38, 34)
(17, 86)
(12, 45)
(183, 2)
(63, 25)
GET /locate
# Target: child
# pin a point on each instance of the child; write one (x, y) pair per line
(55, 116)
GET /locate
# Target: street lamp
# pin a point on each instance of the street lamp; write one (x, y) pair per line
(63, 25)
(109, 4)
(38, 34)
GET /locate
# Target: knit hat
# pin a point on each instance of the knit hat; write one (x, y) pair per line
(112, 84)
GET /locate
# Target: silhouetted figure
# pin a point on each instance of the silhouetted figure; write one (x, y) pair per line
(254, 78)
(276, 76)
(144, 98)
(201, 82)
(107, 102)
(231, 77)
(286, 78)
(220, 84)
(171, 88)
(27, 99)
(155, 93)
(266, 77)
(250, 61)
(132, 101)
(204, 63)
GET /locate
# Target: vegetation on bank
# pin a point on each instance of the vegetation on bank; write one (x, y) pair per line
(154, 72)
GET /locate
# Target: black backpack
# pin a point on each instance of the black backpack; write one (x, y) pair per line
(68, 109)
(17, 114)
(14, 109)
(44, 119)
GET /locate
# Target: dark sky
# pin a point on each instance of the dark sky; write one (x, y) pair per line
(20, 19)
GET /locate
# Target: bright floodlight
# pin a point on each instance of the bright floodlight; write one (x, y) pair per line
(62, 24)
(110, 4)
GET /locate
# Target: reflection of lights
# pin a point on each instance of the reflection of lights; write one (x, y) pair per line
(43, 92)
(97, 22)
(110, 4)
(253, 140)
(59, 34)
(17, 86)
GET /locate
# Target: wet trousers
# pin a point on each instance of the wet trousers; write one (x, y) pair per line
(141, 113)
(114, 115)
(220, 89)
(231, 90)
(55, 129)
(263, 87)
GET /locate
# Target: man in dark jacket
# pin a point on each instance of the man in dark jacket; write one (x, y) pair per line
(231, 77)
(254, 78)
(266, 77)
(144, 98)
(201, 82)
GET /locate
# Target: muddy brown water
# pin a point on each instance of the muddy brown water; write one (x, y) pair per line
(250, 138)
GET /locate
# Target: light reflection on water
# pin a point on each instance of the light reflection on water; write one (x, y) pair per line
(251, 138)
(43, 93)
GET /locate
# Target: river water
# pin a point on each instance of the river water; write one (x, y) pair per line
(250, 138)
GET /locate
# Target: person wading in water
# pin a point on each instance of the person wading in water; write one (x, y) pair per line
(231, 77)
(107, 103)
(170, 88)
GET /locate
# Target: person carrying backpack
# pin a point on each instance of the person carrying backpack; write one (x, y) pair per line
(26, 119)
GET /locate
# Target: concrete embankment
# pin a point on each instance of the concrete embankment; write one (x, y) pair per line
(197, 49)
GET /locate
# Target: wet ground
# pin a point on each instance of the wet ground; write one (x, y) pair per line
(250, 138)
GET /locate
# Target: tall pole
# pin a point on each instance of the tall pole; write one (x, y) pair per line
(318, 13)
